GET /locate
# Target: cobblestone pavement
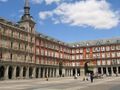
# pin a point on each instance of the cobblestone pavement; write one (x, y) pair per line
(69, 83)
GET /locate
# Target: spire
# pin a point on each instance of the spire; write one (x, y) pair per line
(26, 16)
(26, 8)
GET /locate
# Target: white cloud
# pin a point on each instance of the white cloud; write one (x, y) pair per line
(3, 0)
(45, 14)
(94, 13)
(37, 1)
(52, 1)
(48, 2)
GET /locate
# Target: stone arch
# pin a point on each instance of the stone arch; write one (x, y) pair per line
(2, 71)
(10, 72)
(37, 72)
(41, 73)
(30, 72)
(17, 71)
(24, 71)
(60, 68)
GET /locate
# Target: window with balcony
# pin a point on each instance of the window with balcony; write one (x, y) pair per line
(103, 62)
(102, 48)
(77, 56)
(103, 55)
(112, 47)
(118, 61)
(114, 61)
(98, 62)
(108, 62)
(113, 54)
(87, 49)
(81, 56)
(107, 48)
(77, 51)
(107, 55)
(118, 54)
(118, 47)
(73, 57)
(81, 50)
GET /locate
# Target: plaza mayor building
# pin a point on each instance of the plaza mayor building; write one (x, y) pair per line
(25, 53)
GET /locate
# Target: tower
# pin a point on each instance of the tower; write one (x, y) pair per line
(26, 20)
(28, 23)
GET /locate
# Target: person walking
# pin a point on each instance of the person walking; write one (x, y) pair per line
(91, 77)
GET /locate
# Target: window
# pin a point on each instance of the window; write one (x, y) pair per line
(118, 54)
(73, 51)
(81, 50)
(103, 62)
(102, 48)
(81, 56)
(113, 54)
(98, 62)
(108, 55)
(77, 51)
(108, 62)
(103, 55)
(112, 47)
(73, 57)
(114, 61)
(77, 56)
(11, 56)
(87, 49)
(107, 48)
(118, 47)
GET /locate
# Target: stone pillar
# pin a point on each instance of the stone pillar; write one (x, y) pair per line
(63, 71)
(50, 72)
(39, 73)
(95, 70)
(21, 72)
(117, 70)
(27, 73)
(102, 70)
(68, 72)
(34, 72)
(43, 72)
(107, 73)
(75, 71)
(47, 71)
(57, 72)
(53, 72)
(112, 71)
(71, 72)
(6, 72)
(14, 72)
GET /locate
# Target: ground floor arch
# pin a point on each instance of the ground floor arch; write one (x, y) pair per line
(17, 71)
(30, 72)
(2, 71)
(10, 72)
(37, 72)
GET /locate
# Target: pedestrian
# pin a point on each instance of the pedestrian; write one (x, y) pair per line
(46, 76)
(91, 77)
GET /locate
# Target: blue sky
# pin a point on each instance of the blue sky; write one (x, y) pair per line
(69, 20)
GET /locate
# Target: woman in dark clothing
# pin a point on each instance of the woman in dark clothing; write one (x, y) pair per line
(91, 77)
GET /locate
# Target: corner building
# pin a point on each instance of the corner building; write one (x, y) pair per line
(25, 53)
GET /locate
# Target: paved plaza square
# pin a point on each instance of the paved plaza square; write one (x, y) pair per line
(67, 83)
